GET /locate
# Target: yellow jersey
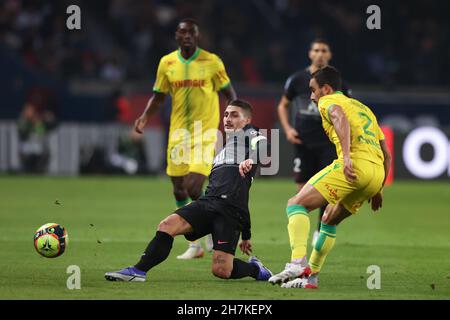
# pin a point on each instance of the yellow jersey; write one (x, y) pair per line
(193, 85)
(365, 134)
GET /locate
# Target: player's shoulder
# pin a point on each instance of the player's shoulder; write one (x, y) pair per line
(302, 75)
(169, 58)
(207, 56)
(328, 100)
(297, 84)
(361, 105)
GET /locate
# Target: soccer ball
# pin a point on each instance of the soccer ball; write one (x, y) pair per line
(50, 240)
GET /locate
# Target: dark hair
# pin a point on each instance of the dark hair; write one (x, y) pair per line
(328, 75)
(189, 20)
(320, 40)
(247, 107)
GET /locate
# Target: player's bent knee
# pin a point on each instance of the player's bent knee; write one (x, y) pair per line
(221, 272)
(293, 201)
(164, 226)
(169, 225)
(296, 200)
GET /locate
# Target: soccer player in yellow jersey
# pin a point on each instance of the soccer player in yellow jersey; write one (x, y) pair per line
(193, 77)
(357, 175)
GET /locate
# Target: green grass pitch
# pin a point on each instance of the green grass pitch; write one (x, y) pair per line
(409, 240)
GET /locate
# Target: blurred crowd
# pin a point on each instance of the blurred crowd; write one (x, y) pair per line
(259, 41)
(38, 119)
(35, 122)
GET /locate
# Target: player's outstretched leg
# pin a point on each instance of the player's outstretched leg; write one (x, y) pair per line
(297, 211)
(327, 237)
(156, 252)
(298, 228)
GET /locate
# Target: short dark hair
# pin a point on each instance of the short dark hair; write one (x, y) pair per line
(247, 107)
(328, 75)
(189, 20)
(320, 40)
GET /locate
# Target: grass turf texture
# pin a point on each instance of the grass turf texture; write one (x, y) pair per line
(110, 221)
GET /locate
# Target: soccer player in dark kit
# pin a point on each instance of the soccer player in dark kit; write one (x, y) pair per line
(222, 211)
(312, 148)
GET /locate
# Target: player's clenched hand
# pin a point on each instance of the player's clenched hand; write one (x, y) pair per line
(140, 123)
(245, 167)
(348, 170)
(376, 201)
(292, 136)
(246, 247)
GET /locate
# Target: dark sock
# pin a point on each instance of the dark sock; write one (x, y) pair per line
(156, 252)
(322, 211)
(243, 269)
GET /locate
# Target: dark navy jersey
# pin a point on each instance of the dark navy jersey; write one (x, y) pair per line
(225, 181)
(307, 121)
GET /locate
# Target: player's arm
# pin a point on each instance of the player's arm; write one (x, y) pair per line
(160, 89)
(283, 115)
(387, 159)
(229, 93)
(259, 148)
(153, 105)
(222, 81)
(377, 200)
(246, 244)
(342, 128)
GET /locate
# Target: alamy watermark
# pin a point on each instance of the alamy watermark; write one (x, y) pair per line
(73, 21)
(74, 280)
(373, 22)
(374, 280)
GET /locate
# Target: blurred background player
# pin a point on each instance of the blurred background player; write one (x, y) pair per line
(357, 175)
(129, 157)
(312, 148)
(193, 77)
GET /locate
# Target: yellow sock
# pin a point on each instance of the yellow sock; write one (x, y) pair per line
(324, 244)
(298, 229)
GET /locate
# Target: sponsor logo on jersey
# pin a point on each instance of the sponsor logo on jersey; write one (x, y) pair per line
(188, 83)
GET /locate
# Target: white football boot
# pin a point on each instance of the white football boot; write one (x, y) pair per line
(209, 243)
(310, 282)
(290, 272)
(194, 251)
(296, 283)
